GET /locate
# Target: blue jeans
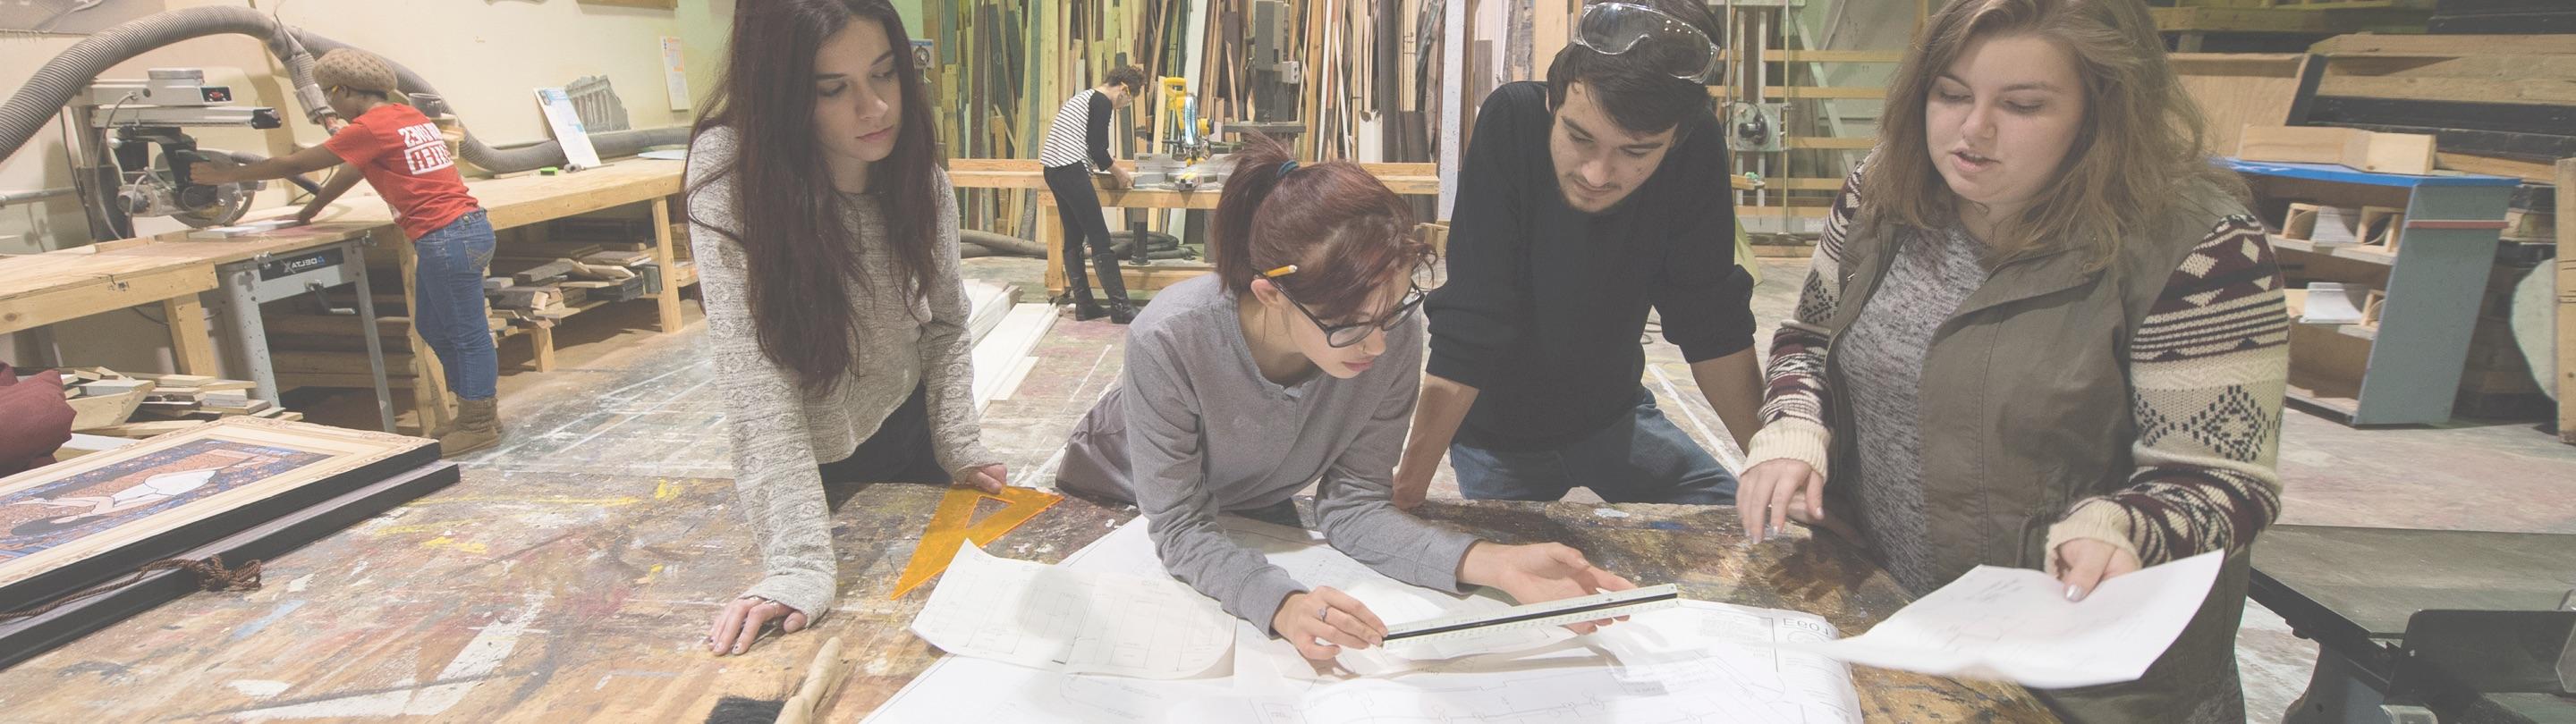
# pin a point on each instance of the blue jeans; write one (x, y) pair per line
(1640, 458)
(447, 304)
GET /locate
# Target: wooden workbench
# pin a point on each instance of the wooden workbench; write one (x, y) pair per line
(1405, 179)
(510, 202)
(1411, 179)
(169, 270)
(548, 597)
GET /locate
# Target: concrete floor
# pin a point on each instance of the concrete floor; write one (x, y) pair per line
(631, 400)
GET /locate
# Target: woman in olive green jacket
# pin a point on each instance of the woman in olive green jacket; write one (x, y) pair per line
(2058, 340)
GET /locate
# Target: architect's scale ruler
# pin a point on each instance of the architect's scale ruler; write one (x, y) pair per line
(1606, 604)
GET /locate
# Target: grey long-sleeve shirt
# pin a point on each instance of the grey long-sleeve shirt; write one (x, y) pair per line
(780, 433)
(1194, 429)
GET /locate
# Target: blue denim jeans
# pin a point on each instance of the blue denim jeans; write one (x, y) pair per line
(1640, 458)
(447, 303)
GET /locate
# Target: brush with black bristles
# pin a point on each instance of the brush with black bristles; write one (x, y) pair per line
(797, 708)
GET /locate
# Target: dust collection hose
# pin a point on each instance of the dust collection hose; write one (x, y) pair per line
(63, 78)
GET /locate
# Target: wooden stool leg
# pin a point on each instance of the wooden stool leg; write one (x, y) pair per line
(192, 348)
(542, 337)
(669, 299)
(429, 380)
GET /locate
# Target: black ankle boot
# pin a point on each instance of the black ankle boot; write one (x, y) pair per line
(1087, 311)
(1121, 313)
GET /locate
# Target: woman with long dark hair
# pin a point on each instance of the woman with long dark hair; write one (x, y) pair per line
(1296, 362)
(826, 238)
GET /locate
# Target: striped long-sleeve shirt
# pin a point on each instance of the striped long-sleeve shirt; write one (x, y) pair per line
(1079, 134)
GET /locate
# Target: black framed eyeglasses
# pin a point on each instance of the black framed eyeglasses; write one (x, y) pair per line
(1427, 275)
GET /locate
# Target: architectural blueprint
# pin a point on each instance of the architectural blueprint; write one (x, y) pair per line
(1702, 663)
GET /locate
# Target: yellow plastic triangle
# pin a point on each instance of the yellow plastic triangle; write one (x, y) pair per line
(954, 522)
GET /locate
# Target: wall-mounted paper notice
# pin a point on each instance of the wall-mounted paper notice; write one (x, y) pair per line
(675, 73)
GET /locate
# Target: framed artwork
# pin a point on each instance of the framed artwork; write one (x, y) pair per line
(27, 638)
(70, 525)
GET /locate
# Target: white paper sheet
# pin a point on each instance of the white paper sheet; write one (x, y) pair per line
(1052, 617)
(1702, 663)
(2015, 624)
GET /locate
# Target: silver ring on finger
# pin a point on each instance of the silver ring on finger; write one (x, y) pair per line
(1324, 612)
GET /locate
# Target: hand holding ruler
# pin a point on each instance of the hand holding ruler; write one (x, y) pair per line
(1606, 604)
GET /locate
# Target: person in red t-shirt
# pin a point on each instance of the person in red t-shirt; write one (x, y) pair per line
(401, 153)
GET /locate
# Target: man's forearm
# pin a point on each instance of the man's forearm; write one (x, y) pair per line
(1436, 418)
(1733, 386)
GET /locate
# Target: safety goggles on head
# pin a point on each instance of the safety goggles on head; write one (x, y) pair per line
(1427, 275)
(1670, 45)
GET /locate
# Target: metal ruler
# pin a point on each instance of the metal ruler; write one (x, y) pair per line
(1559, 612)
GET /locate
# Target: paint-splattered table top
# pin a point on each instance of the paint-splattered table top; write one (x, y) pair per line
(582, 598)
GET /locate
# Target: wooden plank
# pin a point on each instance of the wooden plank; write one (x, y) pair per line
(542, 338)
(2566, 368)
(1834, 144)
(2444, 45)
(98, 294)
(430, 399)
(1795, 92)
(2406, 153)
(1773, 55)
(2235, 90)
(667, 304)
(1004, 349)
(1785, 212)
(192, 348)
(2546, 90)
(2282, 20)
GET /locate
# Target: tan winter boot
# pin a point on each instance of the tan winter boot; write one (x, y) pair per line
(478, 426)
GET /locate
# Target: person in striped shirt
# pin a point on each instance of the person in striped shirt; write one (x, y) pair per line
(1076, 147)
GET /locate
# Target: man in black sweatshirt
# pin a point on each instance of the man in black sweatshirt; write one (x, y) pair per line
(1583, 203)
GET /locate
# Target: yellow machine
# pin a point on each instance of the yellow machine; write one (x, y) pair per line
(1188, 139)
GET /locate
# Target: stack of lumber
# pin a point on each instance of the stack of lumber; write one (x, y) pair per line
(116, 404)
(2495, 104)
(543, 282)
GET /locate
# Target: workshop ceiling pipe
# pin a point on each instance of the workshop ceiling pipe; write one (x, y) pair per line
(521, 158)
(68, 74)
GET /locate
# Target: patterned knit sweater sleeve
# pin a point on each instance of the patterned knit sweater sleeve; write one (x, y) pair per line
(1794, 396)
(2208, 367)
(947, 351)
(775, 480)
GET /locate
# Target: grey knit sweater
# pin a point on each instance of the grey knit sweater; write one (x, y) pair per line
(1882, 357)
(780, 433)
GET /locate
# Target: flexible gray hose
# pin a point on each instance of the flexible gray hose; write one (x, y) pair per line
(55, 84)
(1007, 245)
(521, 158)
(64, 77)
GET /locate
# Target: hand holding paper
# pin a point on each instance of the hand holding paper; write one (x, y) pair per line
(2017, 624)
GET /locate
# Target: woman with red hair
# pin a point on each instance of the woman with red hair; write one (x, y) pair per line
(1297, 362)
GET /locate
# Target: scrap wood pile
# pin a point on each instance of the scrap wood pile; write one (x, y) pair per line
(117, 404)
